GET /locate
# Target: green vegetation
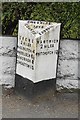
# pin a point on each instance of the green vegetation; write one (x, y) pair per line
(68, 14)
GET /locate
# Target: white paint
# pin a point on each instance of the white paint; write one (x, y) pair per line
(44, 65)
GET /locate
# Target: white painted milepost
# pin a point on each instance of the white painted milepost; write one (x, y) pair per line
(37, 51)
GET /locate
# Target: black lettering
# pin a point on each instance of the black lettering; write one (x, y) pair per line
(24, 48)
(32, 56)
(29, 45)
(50, 41)
(41, 46)
(44, 41)
(50, 52)
(32, 61)
(37, 41)
(33, 51)
(41, 22)
(29, 40)
(32, 40)
(47, 41)
(25, 39)
(37, 54)
(40, 33)
(36, 26)
(37, 22)
(56, 51)
(56, 40)
(33, 32)
(21, 42)
(44, 53)
(32, 68)
(45, 46)
(23, 53)
(24, 43)
(28, 66)
(22, 38)
(27, 54)
(51, 45)
(48, 46)
(25, 64)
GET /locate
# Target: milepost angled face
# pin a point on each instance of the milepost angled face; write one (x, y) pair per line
(37, 49)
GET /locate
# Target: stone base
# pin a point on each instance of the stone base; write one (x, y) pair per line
(30, 89)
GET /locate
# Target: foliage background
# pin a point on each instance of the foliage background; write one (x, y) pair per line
(68, 14)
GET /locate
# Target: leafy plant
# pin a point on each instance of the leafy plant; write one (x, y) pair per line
(65, 13)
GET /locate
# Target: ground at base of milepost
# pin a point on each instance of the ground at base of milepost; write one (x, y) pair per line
(44, 105)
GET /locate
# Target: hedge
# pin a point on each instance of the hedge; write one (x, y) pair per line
(68, 14)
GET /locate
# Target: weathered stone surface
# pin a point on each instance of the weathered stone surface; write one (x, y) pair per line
(68, 70)
(8, 46)
(68, 49)
(0, 102)
(8, 60)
